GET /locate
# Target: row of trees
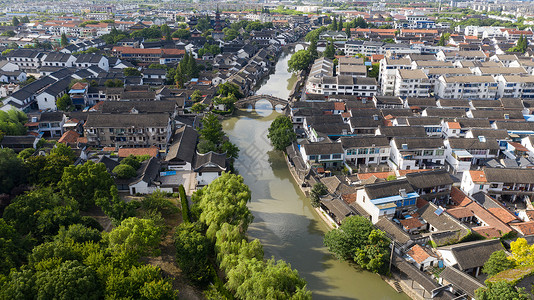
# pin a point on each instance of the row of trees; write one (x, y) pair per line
(221, 220)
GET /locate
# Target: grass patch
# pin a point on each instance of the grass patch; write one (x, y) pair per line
(513, 276)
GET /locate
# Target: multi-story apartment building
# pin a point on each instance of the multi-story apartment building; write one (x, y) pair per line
(516, 86)
(499, 182)
(128, 130)
(387, 74)
(411, 83)
(466, 87)
(461, 55)
(342, 85)
(28, 60)
(365, 150)
(416, 153)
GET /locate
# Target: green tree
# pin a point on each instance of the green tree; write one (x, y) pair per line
(224, 201)
(78, 233)
(211, 129)
(318, 190)
(132, 161)
(375, 255)
(375, 69)
(347, 30)
(181, 34)
(64, 102)
(204, 24)
(124, 171)
(333, 25)
(131, 72)
(256, 279)
(340, 24)
(114, 207)
(231, 150)
(12, 171)
(312, 49)
(498, 262)
(521, 45)
(300, 60)
(166, 32)
(314, 34)
(24, 20)
(84, 183)
(15, 21)
(330, 51)
(522, 252)
(500, 290)
(196, 96)
(13, 248)
(192, 252)
(205, 146)
(12, 122)
(64, 40)
(71, 280)
(135, 237)
(226, 89)
(46, 170)
(198, 107)
(41, 212)
(281, 133)
(25, 153)
(359, 22)
(357, 240)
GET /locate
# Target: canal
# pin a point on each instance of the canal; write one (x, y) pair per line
(284, 220)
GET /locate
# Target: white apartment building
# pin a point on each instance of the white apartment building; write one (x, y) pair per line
(365, 150)
(461, 55)
(466, 87)
(387, 74)
(411, 83)
(416, 153)
(342, 85)
(515, 86)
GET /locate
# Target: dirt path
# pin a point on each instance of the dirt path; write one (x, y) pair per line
(166, 261)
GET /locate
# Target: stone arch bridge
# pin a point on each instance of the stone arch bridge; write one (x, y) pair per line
(243, 103)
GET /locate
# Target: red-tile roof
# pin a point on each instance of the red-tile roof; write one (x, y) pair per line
(459, 198)
(460, 212)
(525, 228)
(487, 232)
(411, 223)
(478, 176)
(419, 254)
(502, 214)
(69, 137)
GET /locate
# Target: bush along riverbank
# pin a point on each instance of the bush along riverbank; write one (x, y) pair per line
(216, 238)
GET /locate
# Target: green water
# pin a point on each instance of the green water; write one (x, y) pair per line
(284, 221)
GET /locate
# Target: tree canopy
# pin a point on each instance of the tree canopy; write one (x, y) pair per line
(281, 133)
(497, 263)
(12, 171)
(300, 60)
(357, 240)
(500, 290)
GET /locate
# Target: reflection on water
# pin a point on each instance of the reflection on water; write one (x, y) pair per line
(284, 221)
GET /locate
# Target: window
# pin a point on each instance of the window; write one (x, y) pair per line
(440, 152)
(336, 156)
(481, 187)
(324, 156)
